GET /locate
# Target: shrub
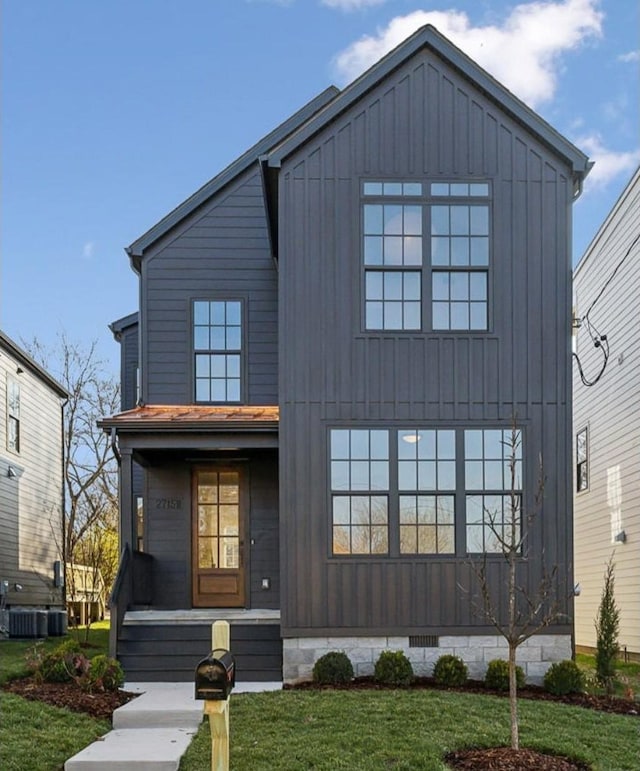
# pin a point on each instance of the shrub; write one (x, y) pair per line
(607, 626)
(333, 668)
(450, 671)
(104, 674)
(393, 668)
(497, 675)
(564, 677)
(63, 664)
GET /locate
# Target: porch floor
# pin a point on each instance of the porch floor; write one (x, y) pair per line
(203, 616)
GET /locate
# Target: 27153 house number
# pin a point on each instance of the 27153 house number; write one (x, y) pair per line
(169, 503)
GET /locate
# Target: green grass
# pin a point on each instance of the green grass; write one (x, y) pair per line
(33, 735)
(372, 730)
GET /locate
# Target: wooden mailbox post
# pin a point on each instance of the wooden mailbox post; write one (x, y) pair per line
(218, 710)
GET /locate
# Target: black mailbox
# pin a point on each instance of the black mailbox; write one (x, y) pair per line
(216, 676)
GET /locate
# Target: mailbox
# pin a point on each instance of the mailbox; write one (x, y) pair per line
(215, 676)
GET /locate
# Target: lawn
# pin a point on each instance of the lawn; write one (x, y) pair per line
(627, 676)
(398, 729)
(35, 736)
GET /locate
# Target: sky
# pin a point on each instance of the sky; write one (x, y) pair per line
(114, 112)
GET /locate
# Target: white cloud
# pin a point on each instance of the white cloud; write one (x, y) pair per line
(351, 5)
(522, 53)
(631, 56)
(609, 164)
(87, 249)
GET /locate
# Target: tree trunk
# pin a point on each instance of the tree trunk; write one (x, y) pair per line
(513, 698)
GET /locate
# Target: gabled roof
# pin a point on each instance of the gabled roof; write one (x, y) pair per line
(429, 37)
(23, 357)
(241, 164)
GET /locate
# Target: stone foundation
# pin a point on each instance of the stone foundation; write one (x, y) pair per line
(535, 655)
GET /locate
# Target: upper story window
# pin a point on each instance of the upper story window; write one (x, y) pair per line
(582, 460)
(217, 343)
(13, 416)
(403, 266)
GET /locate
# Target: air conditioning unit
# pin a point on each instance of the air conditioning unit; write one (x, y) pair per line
(27, 622)
(57, 622)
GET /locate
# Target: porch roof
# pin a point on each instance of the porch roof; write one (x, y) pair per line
(190, 417)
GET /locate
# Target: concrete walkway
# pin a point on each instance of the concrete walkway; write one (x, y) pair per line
(151, 732)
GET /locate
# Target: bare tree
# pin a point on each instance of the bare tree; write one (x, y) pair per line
(528, 609)
(90, 470)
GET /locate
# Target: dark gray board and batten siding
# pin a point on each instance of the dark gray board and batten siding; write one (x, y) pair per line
(423, 122)
(220, 252)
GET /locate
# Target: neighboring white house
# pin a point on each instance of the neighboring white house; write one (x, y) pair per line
(606, 421)
(31, 496)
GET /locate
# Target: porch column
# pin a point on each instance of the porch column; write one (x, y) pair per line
(127, 533)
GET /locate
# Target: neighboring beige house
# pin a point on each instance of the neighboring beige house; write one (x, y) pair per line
(606, 422)
(31, 493)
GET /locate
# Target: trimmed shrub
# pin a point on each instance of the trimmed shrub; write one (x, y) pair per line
(63, 664)
(497, 675)
(450, 671)
(564, 677)
(393, 668)
(104, 674)
(333, 668)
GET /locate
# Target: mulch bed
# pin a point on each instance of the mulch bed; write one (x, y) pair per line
(70, 696)
(506, 759)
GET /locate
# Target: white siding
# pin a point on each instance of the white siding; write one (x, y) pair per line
(611, 412)
(30, 501)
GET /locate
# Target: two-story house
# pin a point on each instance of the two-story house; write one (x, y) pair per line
(606, 421)
(31, 473)
(335, 334)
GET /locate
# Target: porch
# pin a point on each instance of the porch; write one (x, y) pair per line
(166, 645)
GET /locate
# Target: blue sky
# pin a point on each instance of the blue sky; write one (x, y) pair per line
(114, 112)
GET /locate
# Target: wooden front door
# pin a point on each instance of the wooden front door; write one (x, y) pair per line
(218, 539)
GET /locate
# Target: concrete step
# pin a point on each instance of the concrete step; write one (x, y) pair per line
(137, 749)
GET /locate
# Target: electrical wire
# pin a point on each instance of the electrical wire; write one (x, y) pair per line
(599, 340)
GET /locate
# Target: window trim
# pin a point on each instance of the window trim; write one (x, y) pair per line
(221, 297)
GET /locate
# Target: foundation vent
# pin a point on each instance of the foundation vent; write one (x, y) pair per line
(424, 641)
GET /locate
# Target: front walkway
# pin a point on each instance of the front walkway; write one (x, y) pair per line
(153, 731)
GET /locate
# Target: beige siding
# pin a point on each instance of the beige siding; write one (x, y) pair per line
(31, 501)
(611, 412)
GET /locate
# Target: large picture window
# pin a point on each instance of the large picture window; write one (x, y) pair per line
(217, 343)
(425, 491)
(396, 253)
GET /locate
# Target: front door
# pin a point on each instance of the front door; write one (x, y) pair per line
(218, 524)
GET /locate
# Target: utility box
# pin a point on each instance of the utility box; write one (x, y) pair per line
(215, 676)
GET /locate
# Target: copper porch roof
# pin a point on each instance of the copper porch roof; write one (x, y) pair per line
(199, 417)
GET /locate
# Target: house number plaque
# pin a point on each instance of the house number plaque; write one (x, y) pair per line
(172, 504)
